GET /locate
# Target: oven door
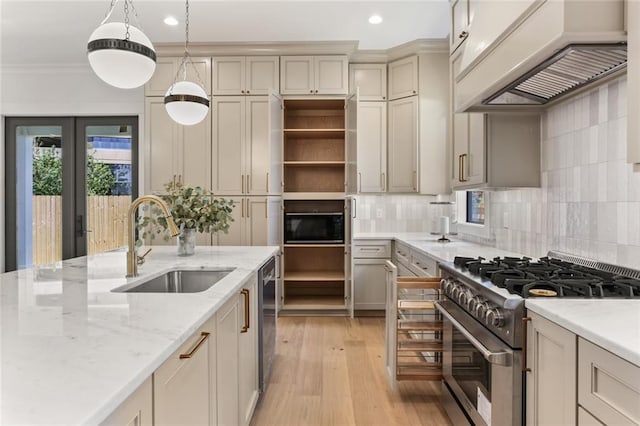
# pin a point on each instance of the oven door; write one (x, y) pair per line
(484, 373)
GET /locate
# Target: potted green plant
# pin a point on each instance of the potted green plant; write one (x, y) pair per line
(194, 209)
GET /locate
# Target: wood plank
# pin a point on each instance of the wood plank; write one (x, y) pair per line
(416, 304)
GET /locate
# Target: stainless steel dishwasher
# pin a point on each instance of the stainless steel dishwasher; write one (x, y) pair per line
(267, 324)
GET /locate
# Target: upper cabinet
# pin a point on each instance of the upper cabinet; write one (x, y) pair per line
(403, 78)
(314, 75)
(371, 79)
(459, 23)
(633, 82)
(245, 75)
(403, 145)
(167, 70)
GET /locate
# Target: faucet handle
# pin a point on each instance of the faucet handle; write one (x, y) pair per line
(140, 259)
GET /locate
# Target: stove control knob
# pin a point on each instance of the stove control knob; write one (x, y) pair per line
(447, 285)
(473, 303)
(494, 317)
(463, 297)
(481, 310)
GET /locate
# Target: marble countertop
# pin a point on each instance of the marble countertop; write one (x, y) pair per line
(611, 324)
(72, 350)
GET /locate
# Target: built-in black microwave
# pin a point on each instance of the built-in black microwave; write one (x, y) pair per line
(314, 228)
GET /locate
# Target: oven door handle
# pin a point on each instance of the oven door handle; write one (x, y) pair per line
(496, 358)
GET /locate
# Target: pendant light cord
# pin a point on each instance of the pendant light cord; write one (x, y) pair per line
(186, 58)
(127, 4)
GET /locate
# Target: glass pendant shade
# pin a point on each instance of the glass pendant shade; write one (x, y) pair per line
(122, 63)
(186, 103)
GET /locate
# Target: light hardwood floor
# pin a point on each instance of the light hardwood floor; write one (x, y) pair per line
(330, 371)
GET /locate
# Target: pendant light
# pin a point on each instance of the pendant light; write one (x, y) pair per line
(121, 54)
(186, 102)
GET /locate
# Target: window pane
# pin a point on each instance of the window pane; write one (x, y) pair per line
(475, 207)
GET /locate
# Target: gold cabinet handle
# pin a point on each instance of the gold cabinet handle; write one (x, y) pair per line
(203, 337)
(459, 168)
(242, 207)
(242, 184)
(247, 318)
(248, 182)
(359, 182)
(463, 34)
(248, 205)
(266, 208)
(384, 182)
(267, 182)
(462, 178)
(525, 320)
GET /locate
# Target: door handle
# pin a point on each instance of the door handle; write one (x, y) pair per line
(248, 208)
(267, 182)
(247, 313)
(248, 182)
(525, 320)
(462, 157)
(242, 184)
(355, 208)
(359, 182)
(203, 337)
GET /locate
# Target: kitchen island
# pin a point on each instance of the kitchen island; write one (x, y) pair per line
(72, 350)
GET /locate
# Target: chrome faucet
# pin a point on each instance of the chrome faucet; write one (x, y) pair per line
(132, 261)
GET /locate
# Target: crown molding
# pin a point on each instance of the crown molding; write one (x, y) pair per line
(346, 47)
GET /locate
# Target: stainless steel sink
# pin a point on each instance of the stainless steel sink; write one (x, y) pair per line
(178, 282)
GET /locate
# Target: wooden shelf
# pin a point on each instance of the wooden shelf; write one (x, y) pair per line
(314, 163)
(416, 304)
(417, 325)
(313, 303)
(313, 195)
(309, 131)
(314, 276)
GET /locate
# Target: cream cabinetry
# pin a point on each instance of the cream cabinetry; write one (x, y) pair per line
(246, 145)
(175, 153)
(245, 75)
(403, 145)
(256, 222)
(459, 23)
(370, 79)
(184, 385)
(137, 410)
(608, 386)
(316, 75)
(551, 376)
(237, 357)
(403, 78)
(371, 145)
(368, 274)
(167, 69)
(633, 81)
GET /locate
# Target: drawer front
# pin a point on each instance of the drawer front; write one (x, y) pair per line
(608, 386)
(372, 249)
(423, 265)
(401, 254)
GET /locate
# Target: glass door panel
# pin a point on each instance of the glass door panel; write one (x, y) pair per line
(38, 186)
(109, 185)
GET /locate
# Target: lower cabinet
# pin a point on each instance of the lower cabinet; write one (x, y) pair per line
(183, 386)
(551, 381)
(237, 357)
(369, 284)
(137, 410)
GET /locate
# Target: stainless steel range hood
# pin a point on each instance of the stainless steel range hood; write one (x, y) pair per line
(568, 70)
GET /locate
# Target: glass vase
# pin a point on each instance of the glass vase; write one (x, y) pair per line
(187, 242)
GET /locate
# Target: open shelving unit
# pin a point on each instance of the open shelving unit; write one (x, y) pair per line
(314, 181)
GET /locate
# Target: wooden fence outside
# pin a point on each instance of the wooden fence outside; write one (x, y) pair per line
(106, 219)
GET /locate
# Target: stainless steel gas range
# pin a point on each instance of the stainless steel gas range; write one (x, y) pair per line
(484, 320)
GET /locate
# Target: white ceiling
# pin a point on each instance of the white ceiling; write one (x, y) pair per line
(56, 31)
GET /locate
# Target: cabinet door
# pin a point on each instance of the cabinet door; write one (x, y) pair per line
(331, 75)
(229, 75)
(369, 284)
(257, 223)
(351, 142)
(167, 71)
(236, 234)
(262, 75)
(633, 82)
(372, 147)
(391, 322)
(403, 78)
(257, 145)
(296, 75)
(459, 23)
(227, 337)
(181, 385)
(274, 178)
(248, 387)
(195, 154)
(551, 383)
(162, 144)
(137, 410)
(228, 128)
(370, 79)
(403, 145)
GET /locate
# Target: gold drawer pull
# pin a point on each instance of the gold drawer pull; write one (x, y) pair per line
(247, 318)
(203, 336)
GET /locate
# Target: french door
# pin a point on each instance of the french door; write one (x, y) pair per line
(69, 182)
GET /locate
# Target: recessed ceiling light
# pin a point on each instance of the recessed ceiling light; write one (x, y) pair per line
(170, 20)
(375, 19)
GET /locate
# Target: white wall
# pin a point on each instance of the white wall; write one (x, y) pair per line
(589, 203)
(63, 91)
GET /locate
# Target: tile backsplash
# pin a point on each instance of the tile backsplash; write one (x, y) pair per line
(589, 202)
